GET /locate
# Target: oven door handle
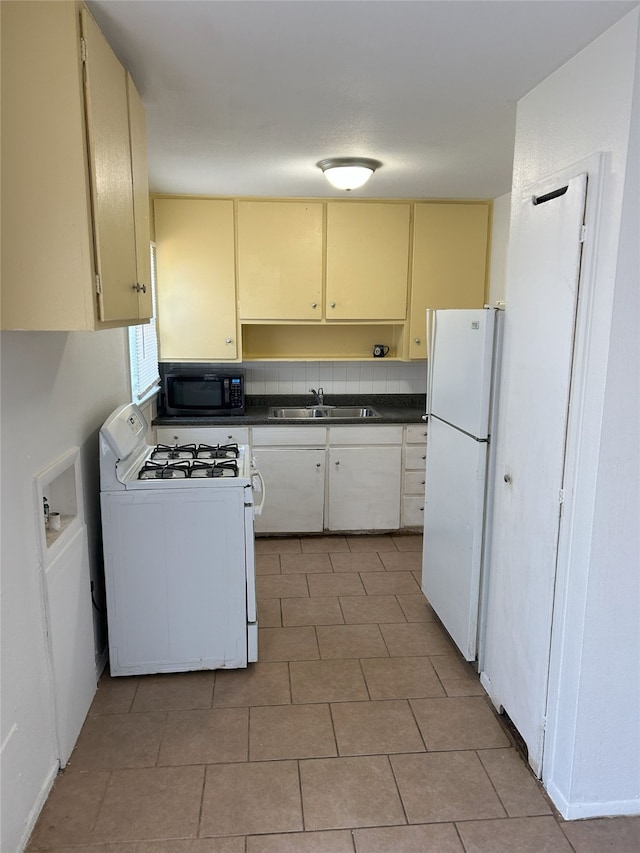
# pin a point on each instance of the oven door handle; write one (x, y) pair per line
(257, 510)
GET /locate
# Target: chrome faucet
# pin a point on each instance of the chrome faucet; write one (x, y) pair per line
(319, 395)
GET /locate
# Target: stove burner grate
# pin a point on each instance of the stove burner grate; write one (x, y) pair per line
(159, 471)
(188, 468)
(214, 469)
(174, 451)
(216, 451)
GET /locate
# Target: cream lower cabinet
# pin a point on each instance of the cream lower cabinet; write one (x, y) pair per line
(74, 179)
(364, 476)
(449, 262)
(291, 461)
(414, 475)
(196, 290)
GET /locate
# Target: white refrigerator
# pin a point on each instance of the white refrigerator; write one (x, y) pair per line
(463, 372)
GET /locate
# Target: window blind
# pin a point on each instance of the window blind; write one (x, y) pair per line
(143, 349)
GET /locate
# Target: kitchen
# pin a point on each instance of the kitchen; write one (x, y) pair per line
(58, 387)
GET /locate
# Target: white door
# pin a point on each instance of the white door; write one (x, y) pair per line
(460, 373)
(453, 530)
(71, 643)
(294, 481)
(364, 488)
(537, 365)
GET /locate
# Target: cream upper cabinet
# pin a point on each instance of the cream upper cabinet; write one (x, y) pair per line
(449, 262)
(69, 235)
(367, 260)
(139, 172)
(196, 292)
(280, 247)
(111, 175)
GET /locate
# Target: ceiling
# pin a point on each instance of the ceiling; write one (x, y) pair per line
(243, 97)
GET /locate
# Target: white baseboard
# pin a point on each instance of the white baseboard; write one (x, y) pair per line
(582, 811)
(38, 805)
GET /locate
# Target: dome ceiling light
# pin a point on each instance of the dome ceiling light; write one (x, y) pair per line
(348, 173)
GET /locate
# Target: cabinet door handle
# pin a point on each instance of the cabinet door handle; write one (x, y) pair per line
(417, 340)
(314, 304)
(228, 340)
(333, 304)
(337, 463)
(318, 465)
(140, 288)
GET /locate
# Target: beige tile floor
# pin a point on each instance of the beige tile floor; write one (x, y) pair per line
(360, 730)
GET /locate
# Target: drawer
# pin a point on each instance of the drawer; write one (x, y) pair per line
(414, 483)
(416, 433)
(289, 436)
(202, 435)
(415, 456)
(365, 435)
(412, 512)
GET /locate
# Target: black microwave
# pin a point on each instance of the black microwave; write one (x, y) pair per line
(201, 389)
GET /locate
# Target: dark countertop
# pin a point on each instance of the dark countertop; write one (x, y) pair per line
(392, 408)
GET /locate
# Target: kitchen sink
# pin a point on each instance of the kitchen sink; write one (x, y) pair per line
(353, 412)
(295, 413)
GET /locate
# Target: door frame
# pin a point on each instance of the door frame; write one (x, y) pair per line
(580, 470)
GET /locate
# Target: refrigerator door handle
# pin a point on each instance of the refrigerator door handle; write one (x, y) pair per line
(431, 340)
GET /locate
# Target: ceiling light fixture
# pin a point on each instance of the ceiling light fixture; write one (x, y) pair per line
(348, 173)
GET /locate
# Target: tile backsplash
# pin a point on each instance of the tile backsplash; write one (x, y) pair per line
(336, 377)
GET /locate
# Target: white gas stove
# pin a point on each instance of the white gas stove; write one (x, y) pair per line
(127, 461)
(177, 525)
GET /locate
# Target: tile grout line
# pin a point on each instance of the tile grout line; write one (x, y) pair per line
(398, 792)
(100, 807)
(201, 809)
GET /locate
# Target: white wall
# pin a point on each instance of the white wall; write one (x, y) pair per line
(599, 681)
(57, 389)
(592, 748)
(499, 246)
